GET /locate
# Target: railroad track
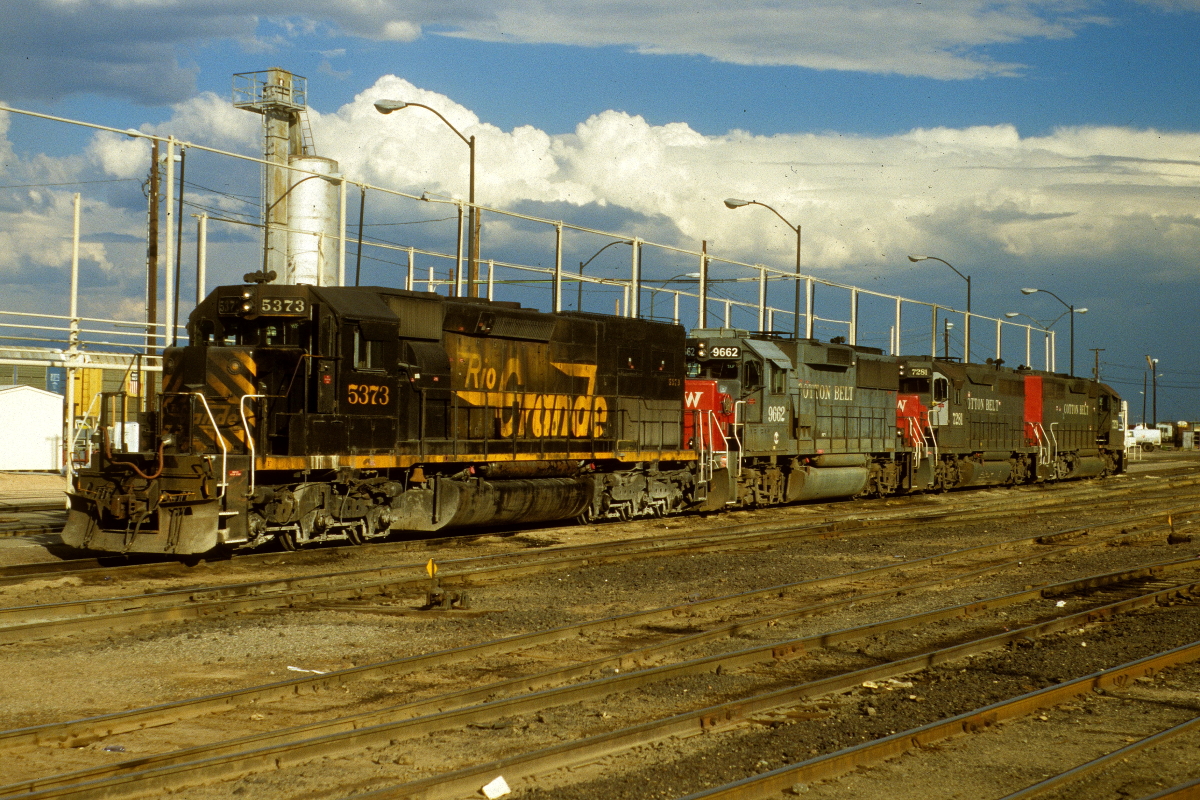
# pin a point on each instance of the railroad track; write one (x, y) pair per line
(475, 706)
(1045, 497)
(23, 623)
(1039, 499)
(679, 631)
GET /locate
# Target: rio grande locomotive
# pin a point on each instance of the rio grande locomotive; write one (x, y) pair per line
(305, 414)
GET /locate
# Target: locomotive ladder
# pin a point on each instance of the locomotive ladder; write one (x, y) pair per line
(708, 429)
(1047, 448)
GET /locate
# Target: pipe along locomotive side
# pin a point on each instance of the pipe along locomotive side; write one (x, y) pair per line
(307, 414)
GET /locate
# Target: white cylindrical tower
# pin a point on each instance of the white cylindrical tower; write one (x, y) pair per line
(312, 222)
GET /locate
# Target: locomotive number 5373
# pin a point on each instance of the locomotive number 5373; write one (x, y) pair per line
(367, 394)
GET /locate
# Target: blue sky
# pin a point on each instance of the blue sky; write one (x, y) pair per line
(1053, 143)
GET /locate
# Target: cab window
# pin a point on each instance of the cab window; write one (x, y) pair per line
(941, 390)
(368, 353)
(778, 379)
(752, 374)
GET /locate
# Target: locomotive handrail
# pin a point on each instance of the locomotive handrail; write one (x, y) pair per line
(1039, 435)
(917, 437)
(249, 435)
(735, 429)
(80, 428)
(106, 442)
(224, 482)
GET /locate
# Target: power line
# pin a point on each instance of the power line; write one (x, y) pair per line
(68, 183)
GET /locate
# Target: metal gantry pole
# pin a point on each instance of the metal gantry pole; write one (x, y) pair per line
(933, 331)
(853, 317)
(762, 298)
(896, 345)
(201, 256)
(702, 311)
(458, 255)
(633, 306)
(72, 348)
(558, 253)
(169, 289)
(809, 302)
(967, 335)
(342, 238)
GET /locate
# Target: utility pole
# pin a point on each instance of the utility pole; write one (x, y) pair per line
(1096, 368)
(1153, 364)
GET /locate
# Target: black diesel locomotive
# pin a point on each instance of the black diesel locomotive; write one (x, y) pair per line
(305, 414)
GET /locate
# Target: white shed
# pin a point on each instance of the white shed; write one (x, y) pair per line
(31, 429)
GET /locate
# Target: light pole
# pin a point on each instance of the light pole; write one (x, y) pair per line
(967, 321)
(1153, 362)
(662, 284)
(1072, 310)
(387, 107)
(946, 339)
(733, 202)
(966, 278)
(582, 264)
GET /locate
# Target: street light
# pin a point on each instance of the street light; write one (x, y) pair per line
(582, 264)
(1072, 310)
(967, 278)
(387, 107)
(967, 319)
(733, 202)
(662, 284)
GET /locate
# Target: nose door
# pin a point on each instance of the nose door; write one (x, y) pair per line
(939, 413)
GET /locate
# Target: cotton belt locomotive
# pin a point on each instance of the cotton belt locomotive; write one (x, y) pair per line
(306, 414)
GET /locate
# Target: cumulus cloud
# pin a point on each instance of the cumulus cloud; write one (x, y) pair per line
(137, 48)
(861, 200)
(1104, 193)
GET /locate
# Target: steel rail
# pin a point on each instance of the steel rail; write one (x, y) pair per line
(733, 713)
(273, 750)
(69, 733)
(832, 765)
(975, 511)
(43, 621)
(1083, 770)
(1184, 791)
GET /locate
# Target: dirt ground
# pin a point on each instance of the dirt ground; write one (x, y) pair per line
(31, 483)
(209, 655)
